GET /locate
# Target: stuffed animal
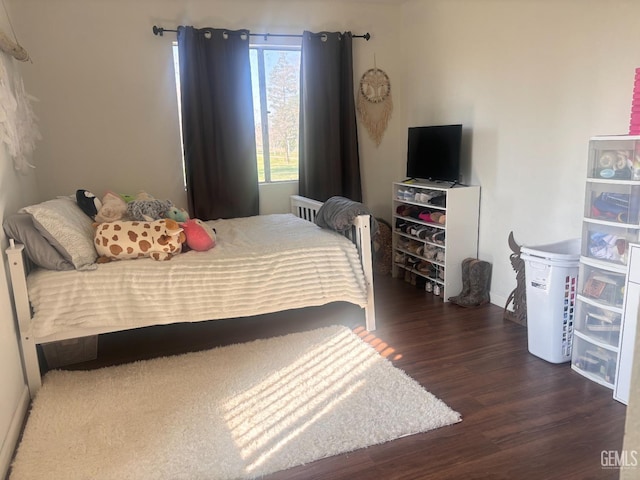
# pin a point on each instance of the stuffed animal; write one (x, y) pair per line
(142, 195)
(122, 240)
(113, 208)
(88, 202)
(180, 215)
(148, 209)
(200, 236)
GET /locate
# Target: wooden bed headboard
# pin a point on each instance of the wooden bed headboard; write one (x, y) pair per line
(305, 208)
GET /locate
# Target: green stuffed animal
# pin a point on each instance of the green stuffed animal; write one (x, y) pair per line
(180, 215)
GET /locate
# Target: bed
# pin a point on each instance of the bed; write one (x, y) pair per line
(243, 275)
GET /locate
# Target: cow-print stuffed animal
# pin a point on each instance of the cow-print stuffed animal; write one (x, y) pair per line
(120, 240)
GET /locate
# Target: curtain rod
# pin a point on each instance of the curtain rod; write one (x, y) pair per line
(160, 31)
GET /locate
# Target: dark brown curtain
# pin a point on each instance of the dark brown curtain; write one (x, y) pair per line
(217, 123)
(329, 160)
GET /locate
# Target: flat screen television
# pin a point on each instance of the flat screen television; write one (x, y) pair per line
(433, 153)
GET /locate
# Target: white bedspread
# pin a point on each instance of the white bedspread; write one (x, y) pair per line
(260, 265)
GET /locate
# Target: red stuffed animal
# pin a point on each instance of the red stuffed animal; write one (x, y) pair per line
(200, 236)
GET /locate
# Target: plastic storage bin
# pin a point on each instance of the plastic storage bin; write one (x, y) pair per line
(73, 350)
(596, 362)
(598, 324)
(551, 273)
(602, 287)
(607, 243)
(614, 203)
(612, 158)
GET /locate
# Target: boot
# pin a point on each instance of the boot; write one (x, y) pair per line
(479, 280)
(466, 288)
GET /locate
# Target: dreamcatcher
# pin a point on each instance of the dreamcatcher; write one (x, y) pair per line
(18, 122)
(374, 102)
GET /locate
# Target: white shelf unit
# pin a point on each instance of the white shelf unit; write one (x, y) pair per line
(611, 222)
(438, 256)
(628, 335)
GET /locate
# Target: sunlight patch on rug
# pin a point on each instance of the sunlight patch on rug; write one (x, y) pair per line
(235, 412)
(263, 422)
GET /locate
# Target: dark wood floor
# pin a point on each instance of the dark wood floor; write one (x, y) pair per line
(523, 418)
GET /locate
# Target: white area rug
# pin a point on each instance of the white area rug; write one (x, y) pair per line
(234, 412)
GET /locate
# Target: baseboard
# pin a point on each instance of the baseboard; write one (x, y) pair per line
(15, 428)
(498, 300)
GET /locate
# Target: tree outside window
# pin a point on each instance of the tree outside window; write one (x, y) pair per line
(276, 95)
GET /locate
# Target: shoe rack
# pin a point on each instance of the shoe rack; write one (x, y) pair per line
(435, 227)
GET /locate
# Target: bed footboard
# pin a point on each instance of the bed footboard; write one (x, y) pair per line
(18, 269)
(360, 235)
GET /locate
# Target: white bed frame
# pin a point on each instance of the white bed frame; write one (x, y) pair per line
(19, 266)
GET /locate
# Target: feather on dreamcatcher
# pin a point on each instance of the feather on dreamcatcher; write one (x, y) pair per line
(12, 47)
(18, 122)
(374, 102)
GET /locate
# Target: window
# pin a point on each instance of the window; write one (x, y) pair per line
(176, 69)
(275, 75)
(275, 79)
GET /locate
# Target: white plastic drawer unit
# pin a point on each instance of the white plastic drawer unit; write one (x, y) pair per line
(611, 228)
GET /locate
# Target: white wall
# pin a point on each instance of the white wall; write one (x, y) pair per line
(107, 92)
(533, 80)
(15, 191)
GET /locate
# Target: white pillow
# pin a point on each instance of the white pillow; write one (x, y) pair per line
(68, 229)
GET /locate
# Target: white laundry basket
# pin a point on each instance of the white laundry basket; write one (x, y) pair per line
(551, 273)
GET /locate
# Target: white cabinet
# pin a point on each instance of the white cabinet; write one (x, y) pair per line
(629, 327)
(611, 222)
(435, 227)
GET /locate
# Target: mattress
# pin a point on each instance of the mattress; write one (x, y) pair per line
(260, 264)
